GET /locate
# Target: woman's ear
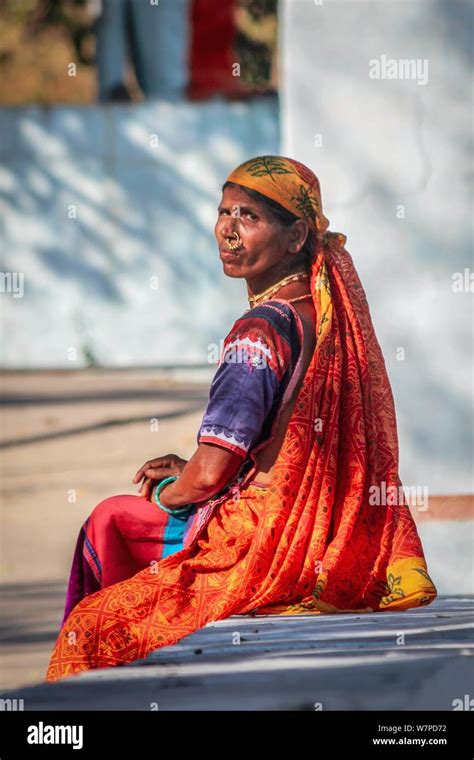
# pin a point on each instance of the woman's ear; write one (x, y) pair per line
(298, 235)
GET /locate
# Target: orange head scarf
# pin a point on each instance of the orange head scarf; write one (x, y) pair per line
(293, 186)
(297, 189)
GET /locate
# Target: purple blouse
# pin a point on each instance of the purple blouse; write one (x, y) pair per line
(258, 358)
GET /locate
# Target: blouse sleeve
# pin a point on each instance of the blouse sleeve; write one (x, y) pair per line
(257, 359)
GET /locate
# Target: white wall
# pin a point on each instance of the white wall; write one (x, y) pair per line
(144, 181)
(387, 143)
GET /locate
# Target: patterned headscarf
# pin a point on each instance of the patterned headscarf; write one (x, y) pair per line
(293, 186)
(296, 188)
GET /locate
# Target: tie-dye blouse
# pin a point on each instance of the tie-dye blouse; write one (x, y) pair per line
(257, 361)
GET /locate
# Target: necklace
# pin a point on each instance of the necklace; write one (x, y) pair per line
(254, 300)
(300, 298)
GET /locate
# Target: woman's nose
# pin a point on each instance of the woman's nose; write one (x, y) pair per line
(228, 227)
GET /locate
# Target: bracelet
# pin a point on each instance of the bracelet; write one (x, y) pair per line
(158, 490)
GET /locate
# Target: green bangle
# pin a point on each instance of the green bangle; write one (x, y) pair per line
(159, 488)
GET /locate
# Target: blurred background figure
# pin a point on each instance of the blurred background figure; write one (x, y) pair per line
(127, 50)
(197, 48)
(152, 39)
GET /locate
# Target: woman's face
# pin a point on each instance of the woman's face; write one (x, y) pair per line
(265, 242)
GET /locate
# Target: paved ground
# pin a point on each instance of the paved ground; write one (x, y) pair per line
(418, 660)
(69, 440)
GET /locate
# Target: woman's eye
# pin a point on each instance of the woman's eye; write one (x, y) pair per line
(249, 214)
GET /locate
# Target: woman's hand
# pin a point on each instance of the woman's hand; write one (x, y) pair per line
(157, 469)
(210, 468)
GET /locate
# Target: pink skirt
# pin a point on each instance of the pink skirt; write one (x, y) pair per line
(123, 535)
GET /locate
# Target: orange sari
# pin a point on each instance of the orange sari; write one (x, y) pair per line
(323, 538)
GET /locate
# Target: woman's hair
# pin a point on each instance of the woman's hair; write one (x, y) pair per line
(284, 217)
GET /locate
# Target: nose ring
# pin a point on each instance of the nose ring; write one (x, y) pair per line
(235, 244)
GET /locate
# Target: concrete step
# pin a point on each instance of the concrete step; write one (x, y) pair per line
(421, 659)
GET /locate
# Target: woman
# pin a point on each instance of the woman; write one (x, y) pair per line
(283, 504)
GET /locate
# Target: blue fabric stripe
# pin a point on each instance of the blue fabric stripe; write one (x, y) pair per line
(93, 554)
(173, 535)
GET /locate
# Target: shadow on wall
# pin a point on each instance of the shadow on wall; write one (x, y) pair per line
(109, 214)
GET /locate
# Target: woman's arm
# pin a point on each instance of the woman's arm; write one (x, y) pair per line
(207, 472)
(258, 354)
(209, 469)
